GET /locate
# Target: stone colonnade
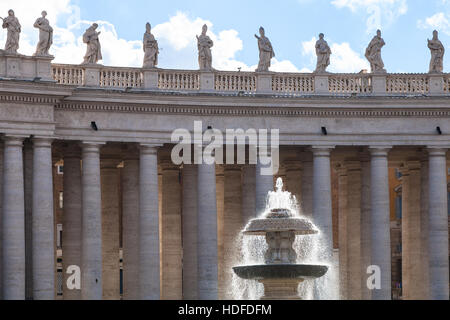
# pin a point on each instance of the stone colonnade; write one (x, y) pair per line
(182, 248)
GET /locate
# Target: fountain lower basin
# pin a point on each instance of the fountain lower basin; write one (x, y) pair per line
(281, 271)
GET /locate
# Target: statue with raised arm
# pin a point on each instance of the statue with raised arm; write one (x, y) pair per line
(323, 52)
(266, 52)
(93, 51)
(437, 54)
(204, 44)
(373, 53)
(45, 35)
(11, 23)
(151, 48)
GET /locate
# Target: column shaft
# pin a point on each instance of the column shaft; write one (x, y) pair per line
(343, 234)
(171, 244)
(438, 225)
(130, 225)
(149, 257)
(380, 222)
(248, 193)
(110, 229)
(190, 242)
(306, 203)
(43, 225)
(263, 184)
(71, 242)
(365, 226)
(91, 230)
(424, 228)
(207, 233)
(13, 232)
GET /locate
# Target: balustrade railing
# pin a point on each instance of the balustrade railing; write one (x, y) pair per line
(350, 83)
(235, 81)
(248, 82)
(178, 80)
(68, 74)
(293, 83)
(407, 83)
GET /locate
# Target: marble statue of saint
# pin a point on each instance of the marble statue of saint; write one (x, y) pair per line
(93, 51)
(204, 44)
(437, 54)
(150, 48)
(373, 53)
(11, 23)
(266, 52)
(45, 35)
(323, 52)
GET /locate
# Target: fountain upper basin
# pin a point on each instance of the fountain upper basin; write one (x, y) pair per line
(281, 271)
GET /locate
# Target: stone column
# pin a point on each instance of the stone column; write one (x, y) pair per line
(43, 225)
(91, 229)
(130, 227)
(220, 200)
(232, 225)
(380, 222)
(13, 232)
(110, 229)
(354, 230)
(171, 242)
(263, 184)
(28, 203)
(438, 225)
(207, 232)
(190, 255)
(71, 242)
(149, 260)
(248, 193)
(294, 178)
(322, 218)
(1, 217)
(412, 273)
(365, 224)
(343, 233)
(306, 198)
(322, 199)
(424, 226)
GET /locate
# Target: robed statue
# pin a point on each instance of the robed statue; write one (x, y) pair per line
(204, 44)
(45, 35)
(437, 54)
(93, 51)
(373, 53)
(150, 48)
(266, 52)
(323, 52)
(11, 23)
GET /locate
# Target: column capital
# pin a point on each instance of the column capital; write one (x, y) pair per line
(322, 151)
(437, 151)
(379, 151)
(149, 148)
(42, 142)
(91, 147)
(14, 140)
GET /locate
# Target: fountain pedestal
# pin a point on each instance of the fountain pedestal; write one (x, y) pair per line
(281, 289)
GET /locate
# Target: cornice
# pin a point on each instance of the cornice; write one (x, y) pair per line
(312, 111)
(33, 99)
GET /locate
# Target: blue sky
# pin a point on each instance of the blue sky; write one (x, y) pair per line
(291, 25)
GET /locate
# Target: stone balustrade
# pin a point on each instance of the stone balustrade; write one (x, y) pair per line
(289, 84)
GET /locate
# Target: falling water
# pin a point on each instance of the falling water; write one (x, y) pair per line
(250, 251)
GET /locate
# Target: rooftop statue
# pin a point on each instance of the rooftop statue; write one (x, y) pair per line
(373, 53)
(45, 35)
(266, 52)
(93, 51)
(437, 54)
(204, 44)
(323, 52)
(11, 23)
(150, 48)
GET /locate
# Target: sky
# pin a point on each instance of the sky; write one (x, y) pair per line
(291, 25)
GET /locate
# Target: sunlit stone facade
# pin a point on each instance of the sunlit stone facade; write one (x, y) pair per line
(141, 227)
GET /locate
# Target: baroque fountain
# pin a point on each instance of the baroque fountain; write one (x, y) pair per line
(280, 224)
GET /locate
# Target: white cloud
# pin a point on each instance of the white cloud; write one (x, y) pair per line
(380, 13)
(439, 21)
(343, 58)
